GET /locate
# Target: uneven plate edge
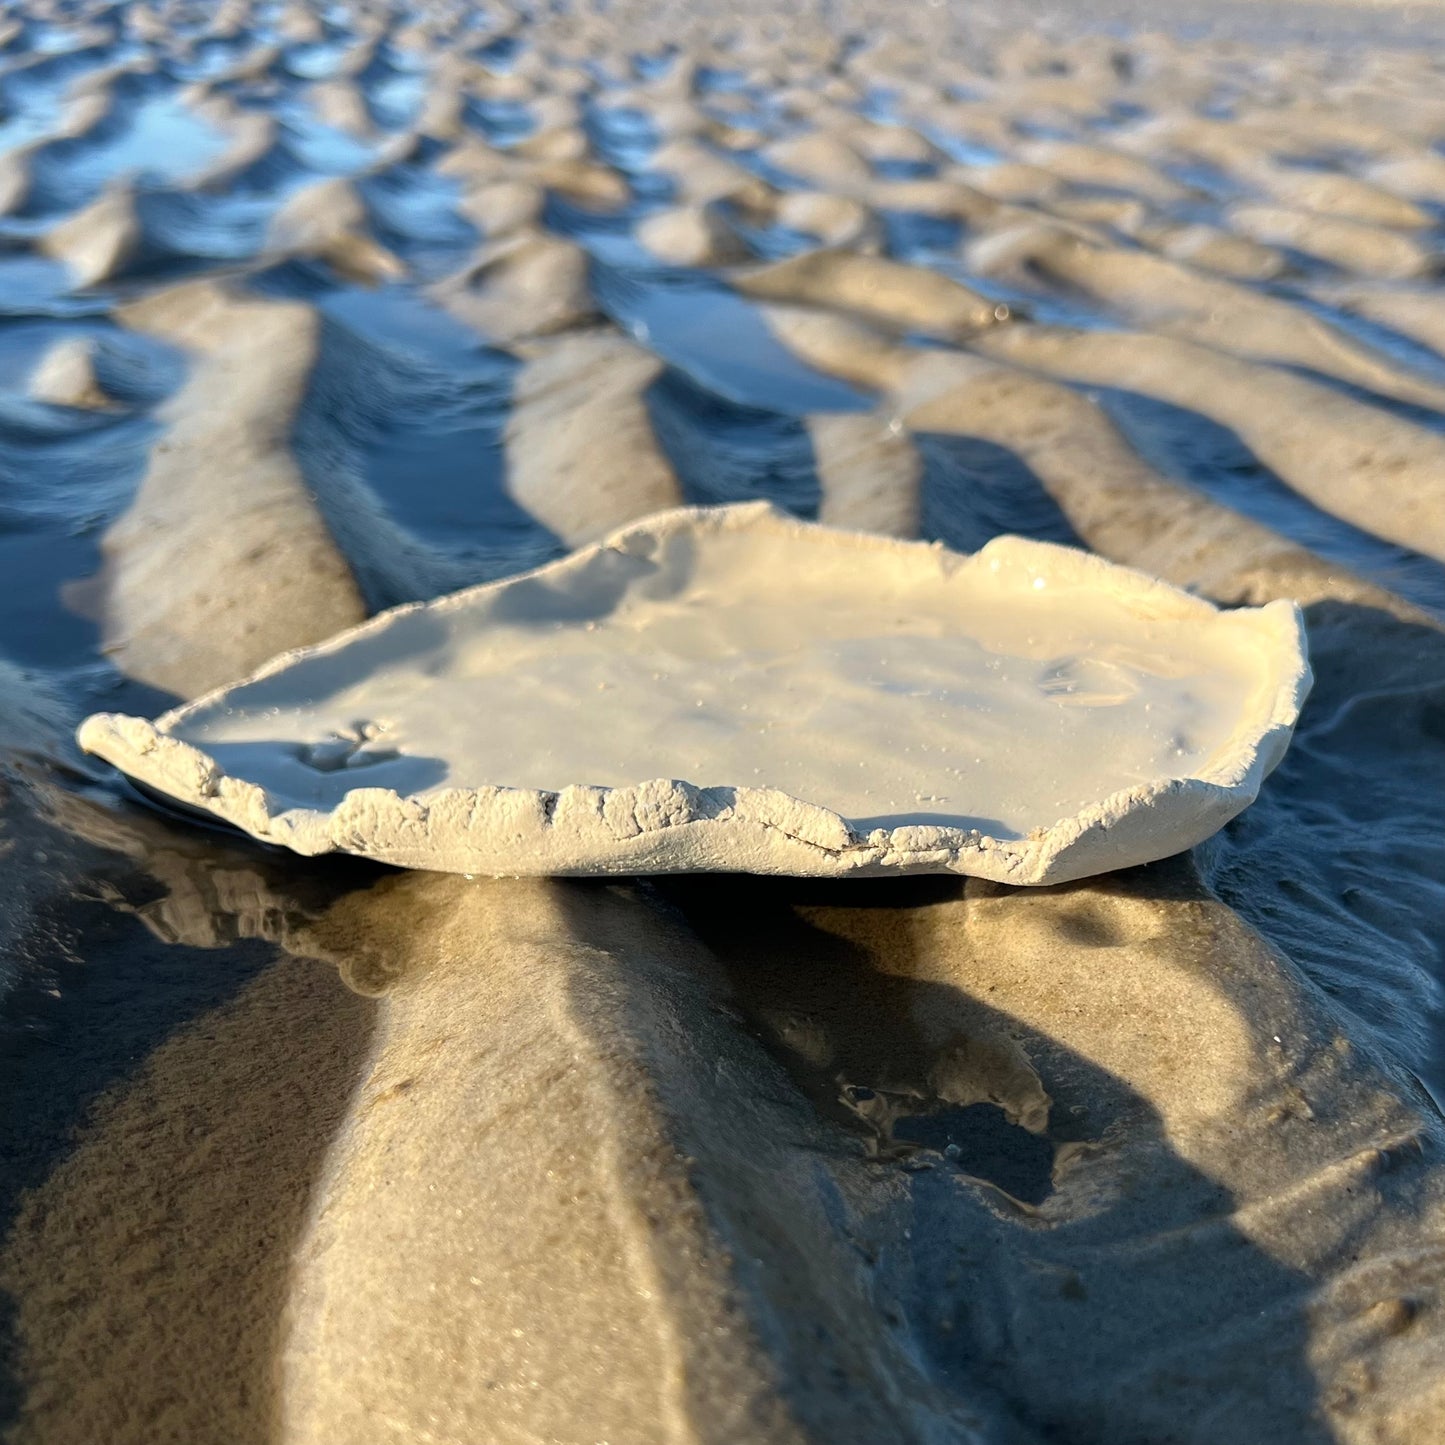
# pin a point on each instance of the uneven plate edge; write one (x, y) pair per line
(621, 830)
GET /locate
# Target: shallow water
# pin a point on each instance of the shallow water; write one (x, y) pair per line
(716, 338)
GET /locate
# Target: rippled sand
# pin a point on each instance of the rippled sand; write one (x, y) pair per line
(306, 313)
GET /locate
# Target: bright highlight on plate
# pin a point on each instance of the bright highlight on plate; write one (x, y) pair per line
(732, 689)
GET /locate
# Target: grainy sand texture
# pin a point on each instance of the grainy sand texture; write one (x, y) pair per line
(310, 311)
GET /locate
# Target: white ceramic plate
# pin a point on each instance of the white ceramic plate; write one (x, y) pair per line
(732, 689)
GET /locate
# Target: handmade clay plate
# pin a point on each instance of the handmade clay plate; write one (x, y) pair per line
(732, 689)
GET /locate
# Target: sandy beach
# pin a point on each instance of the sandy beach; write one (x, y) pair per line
(309, 311)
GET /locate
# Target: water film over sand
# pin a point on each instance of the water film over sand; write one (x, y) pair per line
(308, 312)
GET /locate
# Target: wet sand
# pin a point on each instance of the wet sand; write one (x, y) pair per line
(304, 314)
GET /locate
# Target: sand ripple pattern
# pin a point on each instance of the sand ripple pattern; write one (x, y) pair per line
(306, 311)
